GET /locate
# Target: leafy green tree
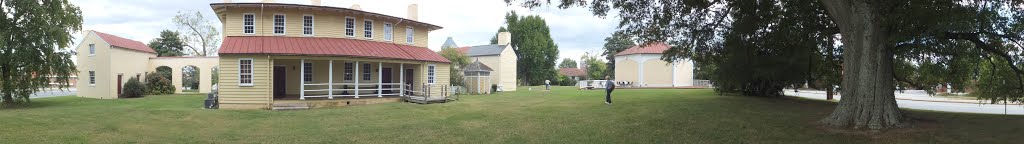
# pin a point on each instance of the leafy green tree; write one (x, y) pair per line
(36, 37)
(596, 68)
(567, 63)
(459, 60)
(537, 52)
(871, 36)
(618, 42)
(190, 77)
(200, 36)
(168, 44)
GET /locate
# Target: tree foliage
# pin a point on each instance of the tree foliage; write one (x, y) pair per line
(190, 77)
(157, 84)
(867, 46)
(618, 42)
(567, 63)
(35, 46)
(459, 60)
(200, 36)
(168, 44)
(595, 67)
(537, 52)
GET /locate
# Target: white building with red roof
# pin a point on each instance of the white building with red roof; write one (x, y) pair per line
(643, 67)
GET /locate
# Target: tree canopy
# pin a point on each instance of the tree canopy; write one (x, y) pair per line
(168, 44)
(618, 42)
(35, 46)
(537, 52)
(459, 60)
(567, 63)
(200, 36)
(595, 67)
(866, 46)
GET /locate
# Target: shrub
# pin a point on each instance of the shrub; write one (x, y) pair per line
(133, 89)
(157, 84)
(494, 88)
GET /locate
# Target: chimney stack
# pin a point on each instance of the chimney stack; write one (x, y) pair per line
(314, 2)
(267, 1)
(413, 12)
(227, 1)
(356, 7)
(504, 38)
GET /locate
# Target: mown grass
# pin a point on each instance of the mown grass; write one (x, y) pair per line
(564, 115)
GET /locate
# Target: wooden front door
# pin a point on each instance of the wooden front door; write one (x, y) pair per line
(119, 85)
(386, 78)
(279, 82)
(408, 81)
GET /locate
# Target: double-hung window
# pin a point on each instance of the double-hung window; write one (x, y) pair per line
(92, 49)
(307, 72)
(279, 24)
(388, 32)
(408, 35)
(249, 23)
(245, 72)
(366, 71)
(307, 25)
(368, 29)
(348, 71)
(92, 78)
(430, 74)
(350, 26)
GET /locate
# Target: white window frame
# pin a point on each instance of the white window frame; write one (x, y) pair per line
(349, 29)
(252, 26)
(250, 74)
(389, 31)
(367, 72)
(283, 26)
(367, 29)
(409, 35)
(349, 70)
(92, 78)
(431, 73)
(312, 25)
(92, 49)
(307, 72)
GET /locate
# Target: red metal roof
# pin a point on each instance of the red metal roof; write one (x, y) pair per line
(572, 72)
(277, 45)
(656, 48)
(124, 43)
(463, 50)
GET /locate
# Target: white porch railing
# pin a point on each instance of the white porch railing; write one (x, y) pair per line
(377, 89)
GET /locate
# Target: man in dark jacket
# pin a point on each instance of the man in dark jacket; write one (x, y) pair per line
(609, 86)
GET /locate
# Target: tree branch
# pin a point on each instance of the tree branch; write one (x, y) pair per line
(974, 38)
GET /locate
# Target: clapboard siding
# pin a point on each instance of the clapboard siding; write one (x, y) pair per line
(244, 97)
(325, 24)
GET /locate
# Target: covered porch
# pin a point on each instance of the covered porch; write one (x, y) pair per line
(346, 81)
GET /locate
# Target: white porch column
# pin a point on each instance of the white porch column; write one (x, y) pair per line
(380, 79)
(302, 79)
(401, 79)
(357, 73)
(641, 74)
(674, 64)
(330, 79)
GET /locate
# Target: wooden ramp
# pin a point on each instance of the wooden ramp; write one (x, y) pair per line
(427, 100)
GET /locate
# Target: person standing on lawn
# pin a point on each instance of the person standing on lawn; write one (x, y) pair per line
(547, 84)
(609, 86)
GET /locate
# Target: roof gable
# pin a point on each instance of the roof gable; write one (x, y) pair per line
(120, 42)
(655, 48)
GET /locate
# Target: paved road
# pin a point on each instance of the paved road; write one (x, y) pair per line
(54, 93)
(931, 105)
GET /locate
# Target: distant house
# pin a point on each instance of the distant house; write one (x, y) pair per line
(106, 62)
(499, 57)
(644, 67)
(573, 73)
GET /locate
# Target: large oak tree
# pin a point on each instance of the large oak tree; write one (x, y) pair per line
(36, 36)
(871, 44)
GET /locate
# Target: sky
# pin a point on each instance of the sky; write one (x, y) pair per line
(468, 22)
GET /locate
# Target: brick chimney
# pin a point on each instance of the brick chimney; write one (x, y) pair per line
(314, 2)
(413, 12)
(356, 7)
(504, 38)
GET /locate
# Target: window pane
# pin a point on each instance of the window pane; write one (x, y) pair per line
(387, 32)
(278, 24)
(307, 72)
(350, 25)
(307, 25)
(348, 71)
(368, 29)
(366, 71)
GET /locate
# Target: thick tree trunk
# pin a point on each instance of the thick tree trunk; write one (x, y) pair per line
(868, 100)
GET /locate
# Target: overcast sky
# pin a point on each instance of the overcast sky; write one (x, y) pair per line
(469, 22)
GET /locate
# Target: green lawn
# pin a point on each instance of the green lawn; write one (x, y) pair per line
(565, 115)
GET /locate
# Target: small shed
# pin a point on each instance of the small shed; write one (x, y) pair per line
(478, 78)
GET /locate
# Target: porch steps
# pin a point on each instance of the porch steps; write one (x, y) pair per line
(289, 106)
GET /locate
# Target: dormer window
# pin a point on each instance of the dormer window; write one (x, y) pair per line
(248, 23)
(368, 29)
(307, 25)
(350, 26)
(279, 24)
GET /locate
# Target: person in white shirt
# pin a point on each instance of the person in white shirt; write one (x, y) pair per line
(547, 84)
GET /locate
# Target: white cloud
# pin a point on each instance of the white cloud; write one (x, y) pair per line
(469, 22)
